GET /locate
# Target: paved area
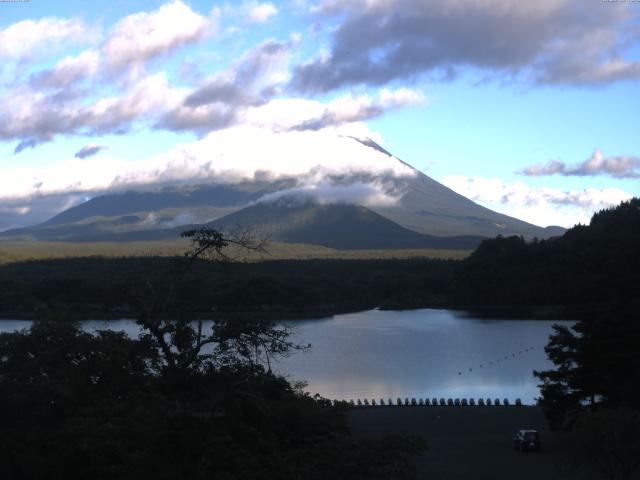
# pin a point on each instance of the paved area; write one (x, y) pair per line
(466, 442)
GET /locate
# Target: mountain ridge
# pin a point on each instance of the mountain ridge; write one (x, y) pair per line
(420, 205)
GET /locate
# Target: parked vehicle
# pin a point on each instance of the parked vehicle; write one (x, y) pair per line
(527, 440)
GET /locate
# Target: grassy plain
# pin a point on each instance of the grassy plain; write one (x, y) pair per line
(34, 250)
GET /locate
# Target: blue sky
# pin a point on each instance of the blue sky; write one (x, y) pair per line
(529, 108)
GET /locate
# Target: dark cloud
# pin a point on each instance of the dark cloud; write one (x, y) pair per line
(237, 86)
(330, 118)
(219, 101)
(24, 144)
(547, 41)
(199, 120)
(89, 151)
(597, 164)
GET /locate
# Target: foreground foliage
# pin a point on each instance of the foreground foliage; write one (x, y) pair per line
(177, 402)
(80, 405)
(606, 441)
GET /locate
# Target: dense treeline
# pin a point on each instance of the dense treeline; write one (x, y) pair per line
(103, 287)
(588, 265)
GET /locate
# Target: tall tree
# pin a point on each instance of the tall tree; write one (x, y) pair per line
(596, 364)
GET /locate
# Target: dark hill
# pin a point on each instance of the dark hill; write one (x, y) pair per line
(343, 227)
(155, 200)
(590, 264)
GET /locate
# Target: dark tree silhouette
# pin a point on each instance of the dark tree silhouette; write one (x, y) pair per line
(182, 340)
(606, 441)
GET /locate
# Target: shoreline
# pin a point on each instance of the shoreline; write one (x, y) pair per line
(493, 312)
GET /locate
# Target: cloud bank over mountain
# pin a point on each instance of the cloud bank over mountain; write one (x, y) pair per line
(326, 166)
(537, 205)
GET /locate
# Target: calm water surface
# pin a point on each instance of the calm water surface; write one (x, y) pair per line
(420, 353)
(412, 353)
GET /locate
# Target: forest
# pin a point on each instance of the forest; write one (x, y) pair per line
(593, 264)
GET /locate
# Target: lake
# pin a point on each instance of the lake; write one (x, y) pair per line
(412, 353)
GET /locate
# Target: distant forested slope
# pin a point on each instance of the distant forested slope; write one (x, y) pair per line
(590, 264)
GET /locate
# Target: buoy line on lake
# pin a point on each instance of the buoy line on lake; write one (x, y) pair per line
(501, 359)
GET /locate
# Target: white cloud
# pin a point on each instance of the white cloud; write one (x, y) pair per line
(373, 194)
(259, 12)
(227, 156)
(34, 116)
(53, 104)
(344, 113)
(350, 108)
(20, 39)
(142, 36)
(540, 206)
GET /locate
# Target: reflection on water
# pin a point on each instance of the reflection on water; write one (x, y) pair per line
(412, 353)
(420, 353)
